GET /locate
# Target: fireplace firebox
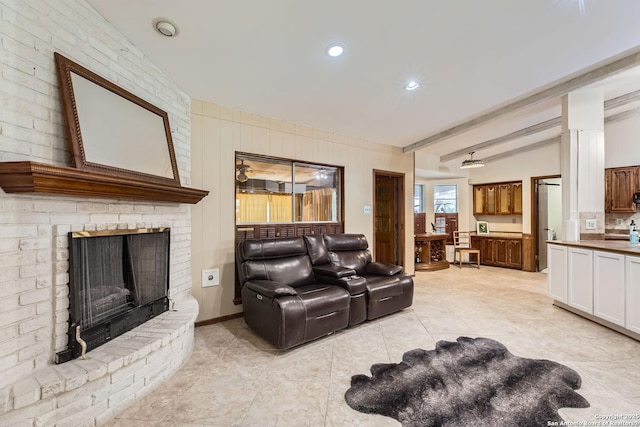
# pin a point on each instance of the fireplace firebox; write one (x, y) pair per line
(117, 280)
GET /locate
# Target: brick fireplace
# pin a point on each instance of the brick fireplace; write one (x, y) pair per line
(34, 251)
(116, 373)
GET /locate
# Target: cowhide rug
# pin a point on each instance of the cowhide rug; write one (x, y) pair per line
(471, 382)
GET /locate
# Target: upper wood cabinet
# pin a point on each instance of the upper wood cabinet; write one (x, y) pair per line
(620, 185)
(503, 198)
(516, 198)
(479, 197)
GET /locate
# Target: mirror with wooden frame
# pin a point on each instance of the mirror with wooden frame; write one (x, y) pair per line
(112, 130)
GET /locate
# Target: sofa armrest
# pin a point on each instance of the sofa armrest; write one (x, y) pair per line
(331, 270)
(270, 289)
(382, 269)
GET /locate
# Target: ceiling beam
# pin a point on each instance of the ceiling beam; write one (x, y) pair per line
(522, 149)
(622, 100)
(622, 116)
(613, 118)
(590, 75)
(540, 127)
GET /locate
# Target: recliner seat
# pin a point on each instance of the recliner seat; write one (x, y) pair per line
(283, 302)
(388, 289)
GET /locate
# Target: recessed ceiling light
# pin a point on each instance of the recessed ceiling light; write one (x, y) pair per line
(165, 27)
(335, 50)
(412, 85)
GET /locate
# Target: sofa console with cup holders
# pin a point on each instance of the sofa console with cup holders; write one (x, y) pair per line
(297, 289)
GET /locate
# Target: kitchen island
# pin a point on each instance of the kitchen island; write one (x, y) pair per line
(430, 251)
(597, 279)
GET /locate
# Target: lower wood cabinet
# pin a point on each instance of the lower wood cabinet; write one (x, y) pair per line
(499, 252)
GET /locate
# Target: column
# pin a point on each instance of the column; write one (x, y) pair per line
(582, 165)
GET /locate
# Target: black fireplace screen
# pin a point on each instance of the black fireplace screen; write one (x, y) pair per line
(118, 280)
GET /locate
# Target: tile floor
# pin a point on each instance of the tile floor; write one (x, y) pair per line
(234, 378)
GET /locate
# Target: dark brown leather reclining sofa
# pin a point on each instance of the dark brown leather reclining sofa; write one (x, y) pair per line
(297, 289)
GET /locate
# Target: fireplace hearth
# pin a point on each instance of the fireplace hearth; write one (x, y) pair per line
(117, 280)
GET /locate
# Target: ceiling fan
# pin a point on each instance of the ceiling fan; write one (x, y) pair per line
(242, 170)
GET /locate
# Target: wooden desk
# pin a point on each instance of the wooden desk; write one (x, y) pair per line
(430, 251)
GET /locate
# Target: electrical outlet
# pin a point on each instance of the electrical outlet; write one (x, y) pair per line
(210, 277)
(619, 221)
(590, 224)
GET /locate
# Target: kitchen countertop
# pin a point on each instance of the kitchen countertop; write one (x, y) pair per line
(619, 246)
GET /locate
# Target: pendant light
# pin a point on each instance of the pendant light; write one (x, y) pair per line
(470, 163)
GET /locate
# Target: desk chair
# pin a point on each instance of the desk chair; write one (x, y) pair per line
(462, 245)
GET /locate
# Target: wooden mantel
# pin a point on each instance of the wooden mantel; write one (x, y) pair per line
(33, 177)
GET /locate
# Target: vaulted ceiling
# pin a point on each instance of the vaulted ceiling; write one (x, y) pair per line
(472, 58)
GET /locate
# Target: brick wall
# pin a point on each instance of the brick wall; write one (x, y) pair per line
(33, 243)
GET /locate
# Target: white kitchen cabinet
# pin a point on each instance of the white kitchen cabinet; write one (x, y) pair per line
(580, 279)
(609, 286)
(557, 272)
(632, 284)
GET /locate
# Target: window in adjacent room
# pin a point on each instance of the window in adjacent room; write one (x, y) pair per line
(445, 198)
(271, 190)
(418, 198)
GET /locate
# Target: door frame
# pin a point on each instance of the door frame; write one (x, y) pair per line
(399, 190)
(534, 217)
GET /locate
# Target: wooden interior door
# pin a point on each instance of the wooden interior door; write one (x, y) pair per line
(388, 217)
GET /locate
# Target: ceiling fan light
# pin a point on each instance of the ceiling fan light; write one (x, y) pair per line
(242, 176)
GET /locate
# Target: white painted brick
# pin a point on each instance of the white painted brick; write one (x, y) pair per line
(50, 383)
(72, 375)
(44, 307)
(92, 207)
(62, 242)
(127, 371)
(126, 394)
(25, 393)
(28, 413)
(34, 243)
(17, 315)
(95, 368)
(50, 418)
(13, 286)
(18, 231)
(8, 333)
(34, 323)
(8, 361)
(43, 282)
(84, 418)
(35, 296)
(86, 390)
(112, 361)
(61, 267)
(61, 303)
(57, 206)
(17, 259)
(104, 394)
(61, 230)
(35, 270)
(43, 256)
(61, 279)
